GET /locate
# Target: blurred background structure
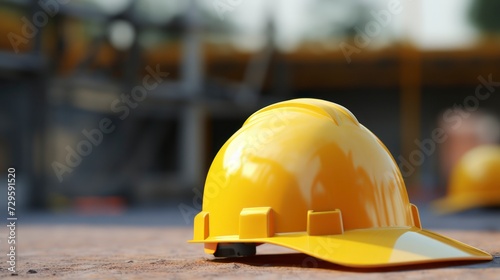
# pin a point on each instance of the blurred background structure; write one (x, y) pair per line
(125, 103)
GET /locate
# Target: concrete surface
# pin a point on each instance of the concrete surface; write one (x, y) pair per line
(150, 244)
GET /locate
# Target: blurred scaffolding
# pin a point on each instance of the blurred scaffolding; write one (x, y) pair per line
(65, 67)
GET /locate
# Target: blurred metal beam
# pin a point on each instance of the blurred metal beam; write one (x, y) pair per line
(192, 119)
(257, 69)
(25, 62)
(29, 112)
(192, 58)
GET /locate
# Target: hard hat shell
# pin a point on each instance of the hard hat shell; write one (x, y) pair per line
(306, 175)
(474, 181)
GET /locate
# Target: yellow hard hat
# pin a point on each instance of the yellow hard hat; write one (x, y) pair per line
(474, 181)
(304, 174)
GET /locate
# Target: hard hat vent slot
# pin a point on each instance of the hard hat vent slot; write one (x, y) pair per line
(256, 222)
(324, 223)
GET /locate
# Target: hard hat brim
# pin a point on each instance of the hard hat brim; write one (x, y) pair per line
(381, 247)
(458, 203)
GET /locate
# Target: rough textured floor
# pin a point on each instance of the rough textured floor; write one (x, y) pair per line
(82, 250)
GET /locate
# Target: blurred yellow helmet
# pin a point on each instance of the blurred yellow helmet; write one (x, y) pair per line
(474, 181)
(304, 174)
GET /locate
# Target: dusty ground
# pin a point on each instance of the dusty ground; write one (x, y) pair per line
(82, 250)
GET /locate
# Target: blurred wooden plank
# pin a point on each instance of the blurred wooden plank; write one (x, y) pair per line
(410, 109)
